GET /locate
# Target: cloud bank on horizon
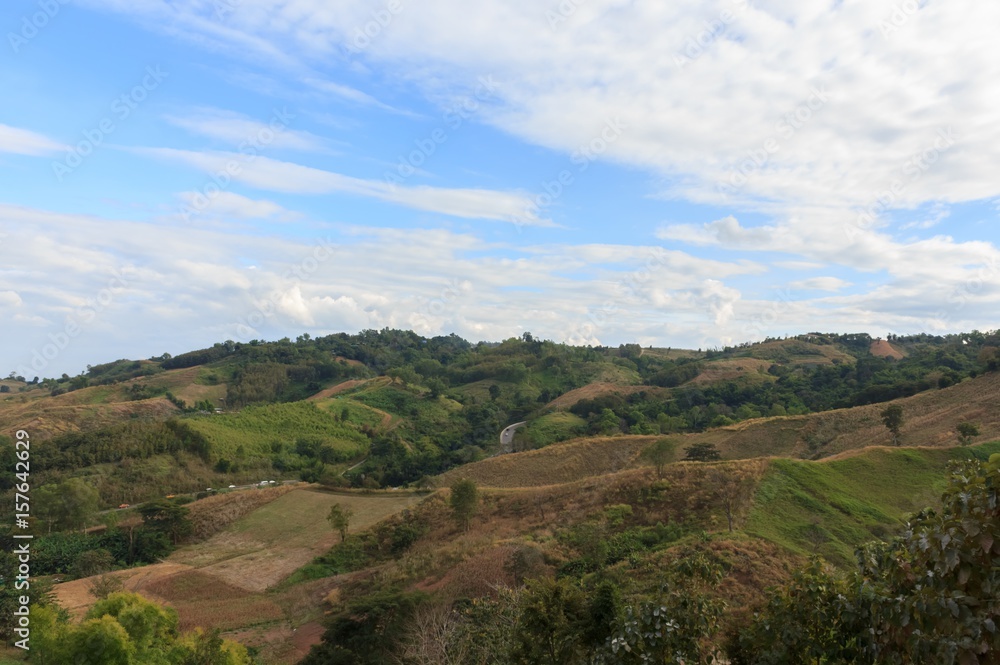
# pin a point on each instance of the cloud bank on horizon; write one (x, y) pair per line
(593, 171)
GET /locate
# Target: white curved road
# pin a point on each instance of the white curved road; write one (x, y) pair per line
(507, 437)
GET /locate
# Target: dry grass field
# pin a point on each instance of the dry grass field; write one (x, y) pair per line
(558, 463)
(596, 389)
(730, 369)
(57, 416)
(884, 349)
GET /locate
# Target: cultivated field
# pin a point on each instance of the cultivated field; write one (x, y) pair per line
(228, 581)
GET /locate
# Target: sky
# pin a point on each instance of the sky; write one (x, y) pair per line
(179, 173)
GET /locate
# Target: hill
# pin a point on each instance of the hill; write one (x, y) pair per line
(930, 420)
(232, 580)
(384, 408)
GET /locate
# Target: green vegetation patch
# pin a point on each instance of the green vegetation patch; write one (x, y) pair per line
(255, 428)
(554, 427)
(831, 507)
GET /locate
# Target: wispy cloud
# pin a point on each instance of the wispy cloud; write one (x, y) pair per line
(278, 176)
(25, 142)
(233, 129)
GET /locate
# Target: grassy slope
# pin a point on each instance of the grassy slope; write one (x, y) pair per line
(832, 506)
(256, 427)
(558, 463)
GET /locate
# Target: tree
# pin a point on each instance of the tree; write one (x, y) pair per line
(659, 453)
(93, 562)
(104, 585)
(166, 517)
(678, 626)
(967, 432)
(464, 501)
(892, 417)
(340, 519)
(68, 505)
(552, 622)
(702, 452)
(126, 629)
(734, 488)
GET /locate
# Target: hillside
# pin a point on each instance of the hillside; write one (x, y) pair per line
(232, 580)
(386, 408)
(630, 527)
(930, 420)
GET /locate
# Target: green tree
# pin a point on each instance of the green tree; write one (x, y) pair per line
(659, 453)
(340, 519)
(702, 452)
(66, 505)
(93, 562)
(166, 517)
(892, 418)
(967, 432)
(550, 628)
(102, 640)
(609, 422)
(677, 627)
(464, 501)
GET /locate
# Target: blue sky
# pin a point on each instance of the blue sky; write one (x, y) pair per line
(593, 171)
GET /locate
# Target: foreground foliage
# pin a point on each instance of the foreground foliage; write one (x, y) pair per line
(126, 629)
(932, 595)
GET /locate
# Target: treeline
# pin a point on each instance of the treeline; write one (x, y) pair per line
(139, 439)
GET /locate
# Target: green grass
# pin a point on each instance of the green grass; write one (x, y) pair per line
(832, 507)
(357, 413)
(393, 399)
(256, 427)
(554, 427)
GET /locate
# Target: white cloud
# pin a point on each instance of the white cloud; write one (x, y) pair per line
(182, 290)
(820, 284)
(838, 108)
(240, 132)
(231, 205)
(278, 176)
(25, 142)
(9, 299)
